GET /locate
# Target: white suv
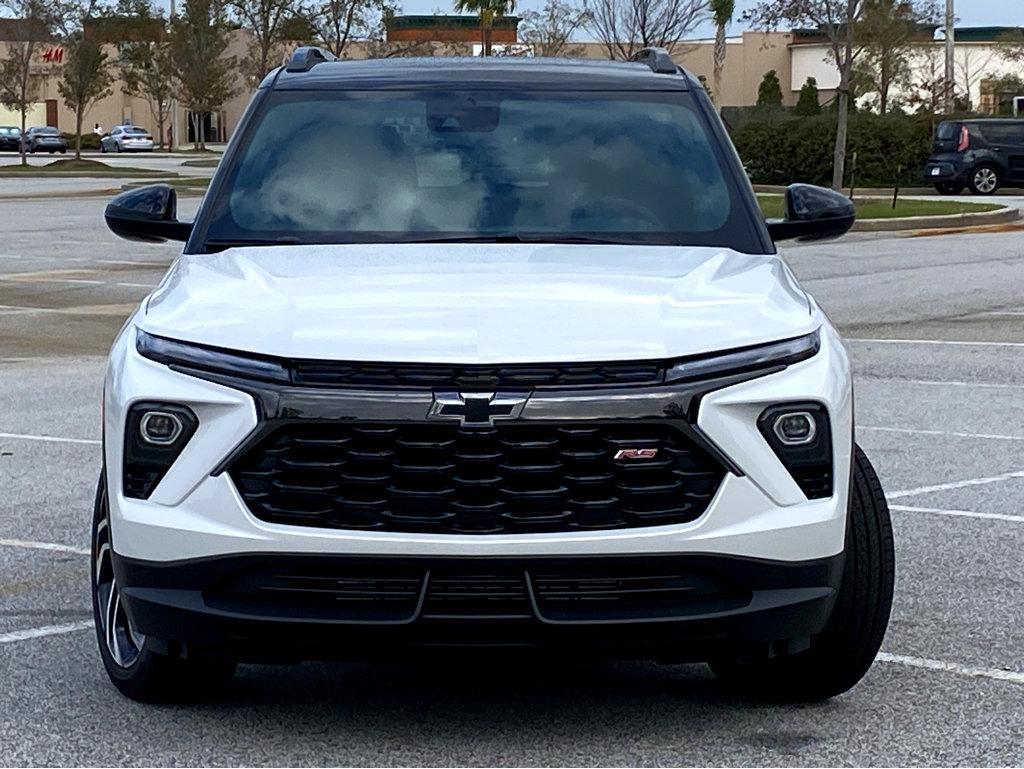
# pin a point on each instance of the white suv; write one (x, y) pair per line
(484, 352)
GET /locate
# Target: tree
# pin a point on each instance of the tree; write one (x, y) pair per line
(147, 72)
(265, 19)
(721, 14)
(549, 32)
(809, 103)
(338, 23)
(769, 93)
(838, 21)
(887, 31)
(84, 79)
(37, 21)
(488, 11)
(626, 26)
(205, 75)
(144, 60)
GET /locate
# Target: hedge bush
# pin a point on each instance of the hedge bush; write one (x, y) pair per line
(90, 141)
(781, 148)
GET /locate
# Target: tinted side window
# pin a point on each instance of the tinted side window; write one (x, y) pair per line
(1008, 133)
(947, 131)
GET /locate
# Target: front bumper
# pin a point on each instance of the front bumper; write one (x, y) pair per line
(772, 552)
(665, 607)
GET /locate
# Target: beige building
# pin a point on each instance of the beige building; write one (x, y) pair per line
(749, 56)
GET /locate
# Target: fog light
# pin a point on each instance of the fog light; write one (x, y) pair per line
(795, 428)
(160, 428)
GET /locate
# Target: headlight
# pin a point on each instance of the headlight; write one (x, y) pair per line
(194, 356)
(776, 355)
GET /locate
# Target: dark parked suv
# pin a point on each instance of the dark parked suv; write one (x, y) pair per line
(981, 154)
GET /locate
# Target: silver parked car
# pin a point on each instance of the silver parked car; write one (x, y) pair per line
(127, 138)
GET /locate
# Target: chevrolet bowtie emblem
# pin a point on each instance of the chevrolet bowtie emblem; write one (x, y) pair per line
(476, 408)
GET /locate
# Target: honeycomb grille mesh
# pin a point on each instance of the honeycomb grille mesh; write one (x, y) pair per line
(444, 478)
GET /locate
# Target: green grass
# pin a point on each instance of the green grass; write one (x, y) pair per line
(70, 167)
(189, 185)
(881, 208)
(203, 163)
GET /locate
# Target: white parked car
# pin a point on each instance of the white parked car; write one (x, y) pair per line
(492, 352)
(127, 138)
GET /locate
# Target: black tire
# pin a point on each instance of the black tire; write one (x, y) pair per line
(103, 148)
(842, 653)
(949, 188)
(985, 180)
(138, 672)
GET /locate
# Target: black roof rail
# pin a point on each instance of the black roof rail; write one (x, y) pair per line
(307, 57)
(658, 59)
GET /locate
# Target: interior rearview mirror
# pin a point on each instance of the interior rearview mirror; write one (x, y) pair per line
(813, 213)
(149, 214)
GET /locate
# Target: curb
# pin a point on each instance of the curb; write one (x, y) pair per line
(868, 192)
(999, 216)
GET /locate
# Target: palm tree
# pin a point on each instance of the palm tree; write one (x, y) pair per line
(721, 13)
(488, 10)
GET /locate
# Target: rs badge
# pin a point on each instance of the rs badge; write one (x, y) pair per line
(622, 454)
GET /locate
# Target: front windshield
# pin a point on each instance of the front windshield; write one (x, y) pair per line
(402, 166)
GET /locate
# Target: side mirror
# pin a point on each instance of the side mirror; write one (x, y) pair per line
(813, 213)
(149, 214)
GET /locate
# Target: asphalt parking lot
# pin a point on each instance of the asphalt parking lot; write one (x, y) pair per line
(936, 331)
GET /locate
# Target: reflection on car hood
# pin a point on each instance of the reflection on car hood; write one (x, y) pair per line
(478, 303)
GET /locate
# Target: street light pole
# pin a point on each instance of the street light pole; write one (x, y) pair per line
(950, 49)
(174, 106)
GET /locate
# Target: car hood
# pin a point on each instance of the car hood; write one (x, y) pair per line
(478, 303)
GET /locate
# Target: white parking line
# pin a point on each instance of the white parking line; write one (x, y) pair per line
(52, 546)
(955, 485)
(911, 431)
(951, 667)
(944, 383)
(50, 439)
(41, 632)
(959, 513)
(936, 341)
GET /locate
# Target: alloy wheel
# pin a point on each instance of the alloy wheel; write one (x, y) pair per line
(985, 180)
(122, 641)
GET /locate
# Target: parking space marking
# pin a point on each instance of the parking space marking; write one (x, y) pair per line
(955, 485)
(84, 309)
(959, 513)
(15, 278)
(51, 546)
(941, 382)
(955, 342)
(912, 431)
(50, 439)
(951, 667)
(41, 632)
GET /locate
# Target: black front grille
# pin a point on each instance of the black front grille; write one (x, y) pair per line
(425, 376)
(442, 478)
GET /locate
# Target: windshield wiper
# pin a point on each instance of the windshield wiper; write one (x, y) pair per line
(223, 245)
(516, 238)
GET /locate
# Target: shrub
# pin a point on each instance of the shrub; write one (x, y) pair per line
(90, 141)
(786, 148)
(769, 92)
(808, 103)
